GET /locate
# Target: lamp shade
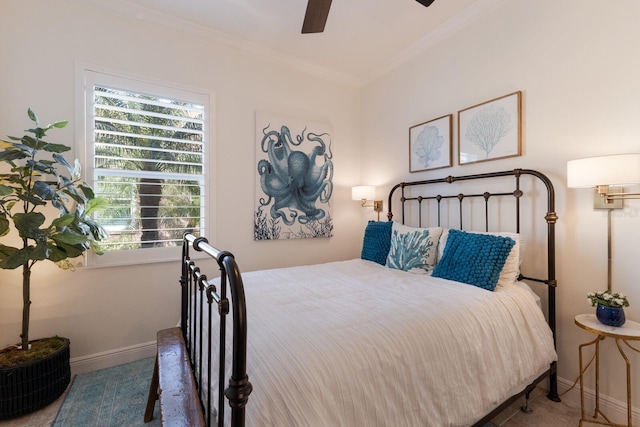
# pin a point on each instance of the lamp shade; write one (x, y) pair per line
(363, 192)
(618, 169)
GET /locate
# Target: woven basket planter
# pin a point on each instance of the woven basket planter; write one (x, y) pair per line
(28, 387)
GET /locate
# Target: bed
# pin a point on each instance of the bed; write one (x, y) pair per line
(437, 323)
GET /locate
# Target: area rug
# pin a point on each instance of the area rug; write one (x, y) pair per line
(112, 397)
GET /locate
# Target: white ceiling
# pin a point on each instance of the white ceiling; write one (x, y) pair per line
(362, 38)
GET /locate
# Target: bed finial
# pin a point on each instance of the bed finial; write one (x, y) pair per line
(197, 241)
(551, 217)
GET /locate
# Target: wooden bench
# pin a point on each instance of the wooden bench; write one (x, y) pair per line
(173, 384)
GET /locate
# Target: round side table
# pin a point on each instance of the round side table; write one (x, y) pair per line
(630, 331)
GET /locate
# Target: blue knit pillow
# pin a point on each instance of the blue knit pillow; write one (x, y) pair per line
(376, 242)
(475, 259)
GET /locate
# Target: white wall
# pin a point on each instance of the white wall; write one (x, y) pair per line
(105, 309)
(576, 62)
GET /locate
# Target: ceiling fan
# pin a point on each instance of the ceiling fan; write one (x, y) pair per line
(318, 10)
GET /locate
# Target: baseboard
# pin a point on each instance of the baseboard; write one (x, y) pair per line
(111, 358)
(614, 409)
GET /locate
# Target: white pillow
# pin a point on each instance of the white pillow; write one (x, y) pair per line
(522, 248)
(511, 268)
(413, 249)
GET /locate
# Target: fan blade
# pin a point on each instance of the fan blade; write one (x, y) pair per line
(316, 16)
(425, 3)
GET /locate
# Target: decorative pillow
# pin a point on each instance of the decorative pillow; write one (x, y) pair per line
(511, 268)
(474, 258)
(522, 247)
(413, 249)
(376, 242)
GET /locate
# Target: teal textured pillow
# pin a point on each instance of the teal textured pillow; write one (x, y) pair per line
(511, 268)
(376, 242)
(413, 249)
(475, 259)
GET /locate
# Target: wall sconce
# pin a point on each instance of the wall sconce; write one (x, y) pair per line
(607, 175)
(366, 193)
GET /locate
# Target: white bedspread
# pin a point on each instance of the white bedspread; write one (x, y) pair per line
(354, 343)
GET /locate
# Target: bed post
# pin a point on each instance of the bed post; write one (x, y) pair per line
(239, 386)
(184, 292)
(551, 217)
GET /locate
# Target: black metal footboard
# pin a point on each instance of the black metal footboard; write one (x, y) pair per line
(199, 295)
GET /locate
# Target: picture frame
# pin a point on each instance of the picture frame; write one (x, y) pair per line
(293, 178)
(491, 130)
(431, 144)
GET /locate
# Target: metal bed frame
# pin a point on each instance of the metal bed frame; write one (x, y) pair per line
(199, 294)
(196, 284)
(517, 193)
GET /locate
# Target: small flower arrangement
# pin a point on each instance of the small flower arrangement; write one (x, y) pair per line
(608, 298)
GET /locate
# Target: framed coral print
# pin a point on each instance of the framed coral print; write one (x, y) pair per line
(491, 130)
(430, 144)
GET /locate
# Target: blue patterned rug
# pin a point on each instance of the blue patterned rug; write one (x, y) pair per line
(112, 397)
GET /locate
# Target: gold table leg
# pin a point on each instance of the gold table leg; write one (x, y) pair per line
(626, 360)
(597, 412)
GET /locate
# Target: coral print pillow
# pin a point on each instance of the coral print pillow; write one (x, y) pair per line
(413, 249)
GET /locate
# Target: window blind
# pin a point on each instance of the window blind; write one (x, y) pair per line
(148, 163)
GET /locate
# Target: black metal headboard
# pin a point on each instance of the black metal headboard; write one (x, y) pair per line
(419, 197)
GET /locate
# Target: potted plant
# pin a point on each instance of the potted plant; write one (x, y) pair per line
(609, 306)
(45, 214)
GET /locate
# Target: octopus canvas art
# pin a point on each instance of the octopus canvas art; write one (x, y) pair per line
(294, 179)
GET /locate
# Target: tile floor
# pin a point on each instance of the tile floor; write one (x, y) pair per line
(42, 418)
(546, 413)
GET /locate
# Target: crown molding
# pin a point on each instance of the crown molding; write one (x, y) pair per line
(123, 8)
(434, 37)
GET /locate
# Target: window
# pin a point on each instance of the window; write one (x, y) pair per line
(146, 155)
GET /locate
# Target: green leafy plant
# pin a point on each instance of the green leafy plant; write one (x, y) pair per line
(608, 298)
(31, 186)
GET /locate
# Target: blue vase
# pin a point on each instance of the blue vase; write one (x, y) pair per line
(611, 316)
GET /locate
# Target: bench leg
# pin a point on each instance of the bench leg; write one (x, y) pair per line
(153, 393)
